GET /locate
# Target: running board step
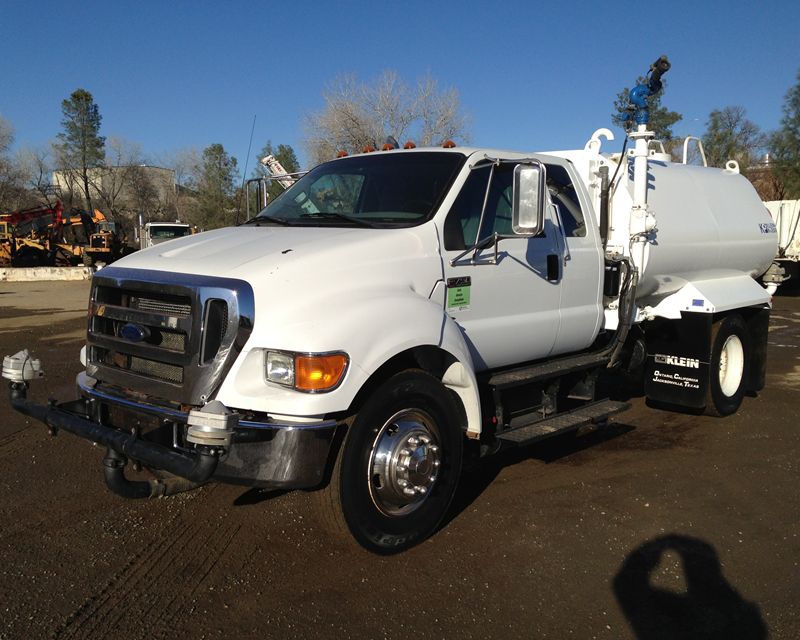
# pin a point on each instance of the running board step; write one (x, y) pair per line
(563, 422)
(544, 370)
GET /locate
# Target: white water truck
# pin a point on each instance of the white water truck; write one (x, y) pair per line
(395, 312)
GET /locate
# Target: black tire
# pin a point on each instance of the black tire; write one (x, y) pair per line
(727, 370)
(366, 491)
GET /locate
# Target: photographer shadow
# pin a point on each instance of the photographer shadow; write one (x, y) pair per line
(708, 608)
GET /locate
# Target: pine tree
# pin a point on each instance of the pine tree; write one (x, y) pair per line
(81, 147)
(216, 188)
(661, 118)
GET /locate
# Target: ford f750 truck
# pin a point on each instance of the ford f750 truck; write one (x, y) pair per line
(393, 310)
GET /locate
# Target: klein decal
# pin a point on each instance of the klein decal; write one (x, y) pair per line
(698, 303)
(768, 227)
(675, 361)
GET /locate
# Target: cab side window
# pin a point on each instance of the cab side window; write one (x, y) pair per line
(461, 226)
(563, 195)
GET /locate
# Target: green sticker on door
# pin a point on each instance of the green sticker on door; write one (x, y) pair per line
(458, 292)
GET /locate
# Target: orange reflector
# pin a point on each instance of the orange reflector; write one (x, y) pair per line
(319, 373)
(387, 147)
(342, 154)
(368, 149)
(409, 145)
(448, 144)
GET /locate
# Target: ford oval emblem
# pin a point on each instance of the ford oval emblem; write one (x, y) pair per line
(134, 332)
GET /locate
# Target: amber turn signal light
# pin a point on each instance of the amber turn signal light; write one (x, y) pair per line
(319, 373)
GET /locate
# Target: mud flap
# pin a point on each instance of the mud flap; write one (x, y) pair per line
(678, 355)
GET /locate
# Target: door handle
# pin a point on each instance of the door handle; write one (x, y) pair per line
(553, 267)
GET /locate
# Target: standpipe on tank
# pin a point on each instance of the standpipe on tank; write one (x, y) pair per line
(642, 221)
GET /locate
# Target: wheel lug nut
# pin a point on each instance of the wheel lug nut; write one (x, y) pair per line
(433, 448)
(405, 452)
(402, 482)
(402, 467)
(436, 463)
(413, 441)
(409, 491)
(425, 439)
(421, 490)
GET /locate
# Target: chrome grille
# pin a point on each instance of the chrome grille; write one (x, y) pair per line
(168, 336)
(162, 306)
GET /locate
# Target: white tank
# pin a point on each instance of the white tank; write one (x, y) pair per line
(710, 224)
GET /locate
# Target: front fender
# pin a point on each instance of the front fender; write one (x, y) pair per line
(372, 327)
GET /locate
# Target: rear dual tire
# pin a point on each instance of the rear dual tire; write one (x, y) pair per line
(730, 359)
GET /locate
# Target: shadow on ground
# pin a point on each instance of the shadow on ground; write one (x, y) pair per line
(707, 608)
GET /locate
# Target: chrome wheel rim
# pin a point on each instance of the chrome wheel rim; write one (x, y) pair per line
(731, 365)
(404, 462)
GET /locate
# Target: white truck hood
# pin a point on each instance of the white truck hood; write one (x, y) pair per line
(276, 260)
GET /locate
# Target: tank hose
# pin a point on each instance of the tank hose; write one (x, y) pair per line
(626, 310)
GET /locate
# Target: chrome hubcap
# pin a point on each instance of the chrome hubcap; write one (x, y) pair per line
(404, 462)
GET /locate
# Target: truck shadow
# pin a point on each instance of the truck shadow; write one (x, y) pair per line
(479, 474)
(706, 607)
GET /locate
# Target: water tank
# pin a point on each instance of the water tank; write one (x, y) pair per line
(710, 223)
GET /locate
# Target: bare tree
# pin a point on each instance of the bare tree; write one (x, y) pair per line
(11, 180)
(186, 163)
(358, 115)
(35, 165)
(731, 136)
(115, 177)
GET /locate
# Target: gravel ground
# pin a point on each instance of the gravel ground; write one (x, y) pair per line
(661, 525)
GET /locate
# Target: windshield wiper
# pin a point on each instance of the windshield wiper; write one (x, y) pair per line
(264, 219)
(333, 215)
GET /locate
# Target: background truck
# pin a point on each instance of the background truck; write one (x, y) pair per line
(394, 313)
(786, 214)
(153, 233)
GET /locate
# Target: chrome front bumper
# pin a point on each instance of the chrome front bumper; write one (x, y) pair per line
(279, 455)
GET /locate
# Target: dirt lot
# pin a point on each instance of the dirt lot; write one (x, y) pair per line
(662, 525)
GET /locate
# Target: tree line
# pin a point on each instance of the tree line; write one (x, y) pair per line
(86, 170)
(206, 187)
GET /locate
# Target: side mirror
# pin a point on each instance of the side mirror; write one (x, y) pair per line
(527, 217)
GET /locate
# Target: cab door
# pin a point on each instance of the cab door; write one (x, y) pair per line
(529, 298)
(502, 299)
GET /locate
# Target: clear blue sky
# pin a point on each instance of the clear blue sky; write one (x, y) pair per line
(531, 75)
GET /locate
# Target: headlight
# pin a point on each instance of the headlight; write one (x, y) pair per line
(309, 372)
(280, 368)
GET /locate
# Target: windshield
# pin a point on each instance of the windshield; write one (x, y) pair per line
(165, 233)
(371, 190)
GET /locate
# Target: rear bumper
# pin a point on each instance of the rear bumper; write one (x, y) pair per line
(280, 455)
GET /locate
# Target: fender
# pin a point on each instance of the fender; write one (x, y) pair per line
(372, 326)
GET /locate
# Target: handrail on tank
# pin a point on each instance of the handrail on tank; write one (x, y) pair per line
(699, 147)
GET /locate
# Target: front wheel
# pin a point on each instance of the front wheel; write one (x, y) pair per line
(399, 465)
(730, 358)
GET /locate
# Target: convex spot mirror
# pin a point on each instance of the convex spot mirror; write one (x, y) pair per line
(529, 199)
